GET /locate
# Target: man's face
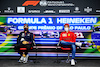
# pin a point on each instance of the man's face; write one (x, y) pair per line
(66, 28)
(25, 26)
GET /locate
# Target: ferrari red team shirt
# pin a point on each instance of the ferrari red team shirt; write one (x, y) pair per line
(68, 37)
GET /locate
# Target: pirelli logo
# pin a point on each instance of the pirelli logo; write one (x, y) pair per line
(31, 2)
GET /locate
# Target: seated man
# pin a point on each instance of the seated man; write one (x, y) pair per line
(25, 40)
(68, 38)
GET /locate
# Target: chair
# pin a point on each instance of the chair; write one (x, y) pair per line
(23, 49)
(66, 49)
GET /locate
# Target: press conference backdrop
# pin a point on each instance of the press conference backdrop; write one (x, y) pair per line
(47, 30)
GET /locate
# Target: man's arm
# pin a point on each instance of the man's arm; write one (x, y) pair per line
(19, 39)
(60, 38)
(74, 37)
(31, 41)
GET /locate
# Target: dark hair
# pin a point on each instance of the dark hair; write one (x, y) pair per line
(26, 25)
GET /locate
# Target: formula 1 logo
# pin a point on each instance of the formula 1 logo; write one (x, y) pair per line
(31, 2)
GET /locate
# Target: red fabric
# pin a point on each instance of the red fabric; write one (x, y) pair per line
(31, 47)
(66, 48)
(29, 42)
(23, 48)
(67, 24)
(68, 37)
(24, 24)
(33, 35)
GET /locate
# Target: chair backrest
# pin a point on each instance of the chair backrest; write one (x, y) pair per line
(68, 47)
(23, 48)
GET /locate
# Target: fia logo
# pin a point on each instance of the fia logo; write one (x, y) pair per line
(43, 3)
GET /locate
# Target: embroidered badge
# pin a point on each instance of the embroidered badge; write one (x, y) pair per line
(23, 34)
(68, 34)
(64, 35)
(28, 34)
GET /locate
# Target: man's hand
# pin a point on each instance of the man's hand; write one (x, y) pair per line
(25, 42)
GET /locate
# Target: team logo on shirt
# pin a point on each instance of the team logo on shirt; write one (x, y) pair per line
(28, 34)
(18, 35)
(68, 34)
(64, 35)
(23, 34)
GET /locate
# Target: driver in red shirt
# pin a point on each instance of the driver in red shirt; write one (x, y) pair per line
(68, 38)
